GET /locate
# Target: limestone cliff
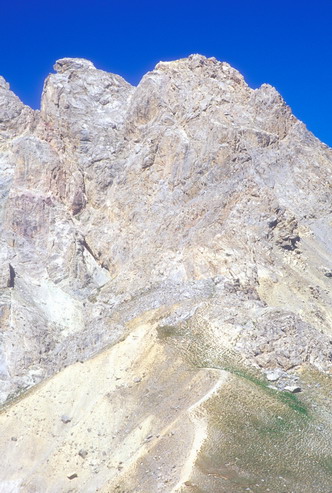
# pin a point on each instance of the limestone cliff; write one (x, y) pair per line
(165, 255)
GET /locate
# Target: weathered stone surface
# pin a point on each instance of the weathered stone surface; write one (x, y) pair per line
(114, 193)
(293, 389)
(191, 200)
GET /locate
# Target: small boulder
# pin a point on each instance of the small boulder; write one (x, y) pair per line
(72, 476)
(83, 453)
(293, 389)
(273, 375)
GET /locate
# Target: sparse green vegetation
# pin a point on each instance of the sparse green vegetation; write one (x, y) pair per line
(258, 437)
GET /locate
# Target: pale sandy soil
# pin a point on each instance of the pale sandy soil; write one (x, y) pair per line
(134, 413)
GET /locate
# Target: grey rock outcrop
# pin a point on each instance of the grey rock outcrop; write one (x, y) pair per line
(191, 194)
(181, 229)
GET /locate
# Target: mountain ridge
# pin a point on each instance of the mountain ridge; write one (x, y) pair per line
(194, 211)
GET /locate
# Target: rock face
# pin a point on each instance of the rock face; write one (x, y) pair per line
(192, 203)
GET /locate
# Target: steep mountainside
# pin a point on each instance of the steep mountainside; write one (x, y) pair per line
(165, 276)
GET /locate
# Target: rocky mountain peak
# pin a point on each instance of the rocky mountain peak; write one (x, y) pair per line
(179, 234)
(65, 64)
(3, 83)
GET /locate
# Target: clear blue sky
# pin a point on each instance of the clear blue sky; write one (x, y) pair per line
(285, 43)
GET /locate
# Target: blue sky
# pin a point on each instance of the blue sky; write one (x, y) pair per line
(285, 43)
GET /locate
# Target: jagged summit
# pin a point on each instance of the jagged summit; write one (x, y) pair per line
(3, 83)
(65, 64)
(165, 255)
